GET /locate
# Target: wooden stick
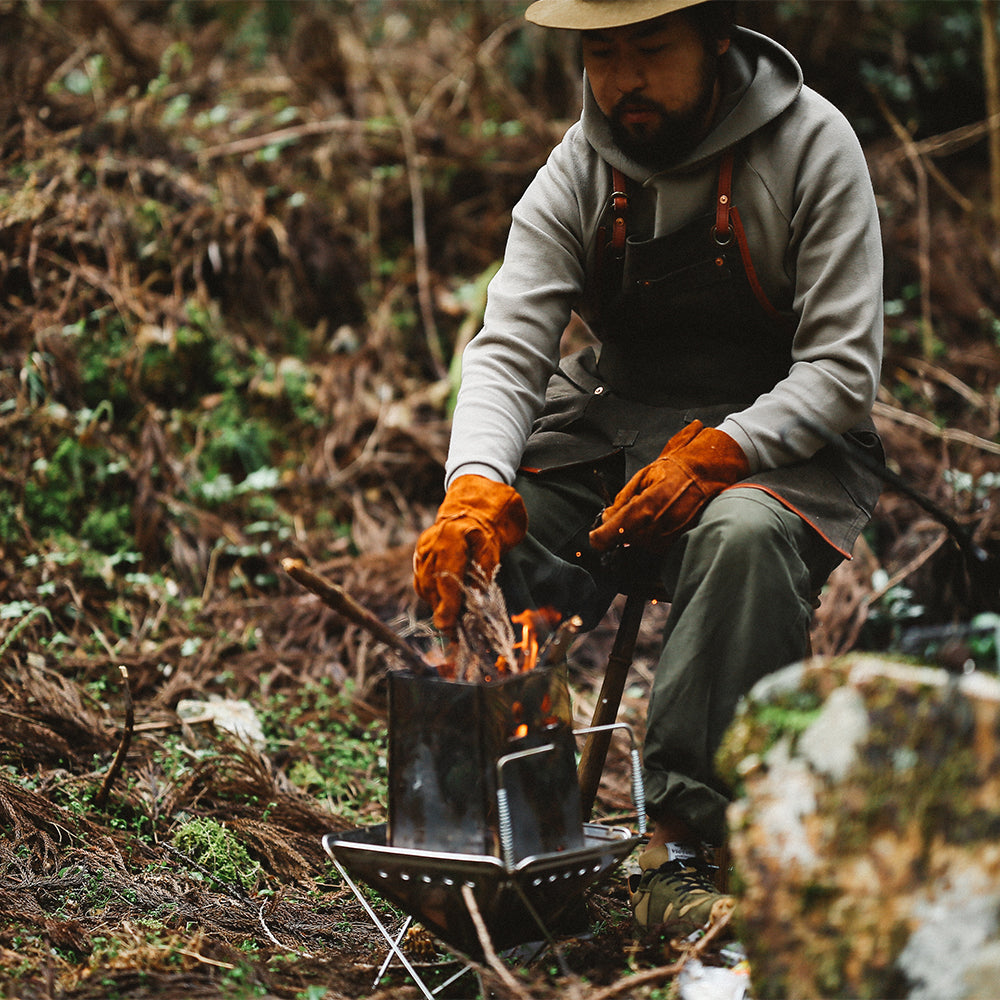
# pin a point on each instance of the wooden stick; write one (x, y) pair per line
(991, 72)
(338, 599)
(126, 741)
(946, 434)
(595, 750)
(636, 979)
(486, 944)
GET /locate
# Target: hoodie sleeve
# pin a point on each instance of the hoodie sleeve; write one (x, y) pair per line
(816, 172)
(507, 365)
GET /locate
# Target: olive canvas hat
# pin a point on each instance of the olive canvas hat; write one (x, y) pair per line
(590, 15)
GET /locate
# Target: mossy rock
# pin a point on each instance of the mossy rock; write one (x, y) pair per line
(864, 834)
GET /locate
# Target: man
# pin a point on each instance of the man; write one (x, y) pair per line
(713, 220)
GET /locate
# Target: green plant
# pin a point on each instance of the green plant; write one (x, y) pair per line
(312, 993)
(976, 487)
(237, 444)
(895, 606)
(81, 489)
(241, 981)
(217, 850)
(24, 611)
(334, 755)
(103, 344)
(10, 528)
(984, 640)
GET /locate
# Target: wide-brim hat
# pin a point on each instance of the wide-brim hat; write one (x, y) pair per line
(591, 15)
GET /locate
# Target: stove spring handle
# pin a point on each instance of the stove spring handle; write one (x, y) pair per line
(638, 786)
(504, 823)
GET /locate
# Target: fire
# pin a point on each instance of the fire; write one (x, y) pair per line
(490, 644)
(529, 639)
(530, 622)
(526, 717)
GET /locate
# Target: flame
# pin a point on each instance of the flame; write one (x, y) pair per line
(529, 639)
(521, 731)
(536, 629)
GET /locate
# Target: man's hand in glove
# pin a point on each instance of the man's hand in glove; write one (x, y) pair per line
(478, 522)
(661, 500)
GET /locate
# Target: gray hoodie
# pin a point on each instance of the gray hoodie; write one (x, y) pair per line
(806, 201)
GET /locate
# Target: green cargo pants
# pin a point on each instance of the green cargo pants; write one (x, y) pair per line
(741, 584)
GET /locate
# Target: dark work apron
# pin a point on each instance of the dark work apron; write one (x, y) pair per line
(687, 333)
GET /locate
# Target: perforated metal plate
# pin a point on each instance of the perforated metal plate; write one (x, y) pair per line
(546, 889)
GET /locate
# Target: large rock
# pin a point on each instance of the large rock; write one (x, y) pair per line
(865, 835)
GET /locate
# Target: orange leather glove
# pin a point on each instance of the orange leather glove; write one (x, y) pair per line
(478, 522)
(662, 499)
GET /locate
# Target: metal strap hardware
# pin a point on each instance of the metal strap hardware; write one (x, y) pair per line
(619, 208)
(722, 231)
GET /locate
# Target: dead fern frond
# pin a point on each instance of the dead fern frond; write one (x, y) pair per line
(485, 634)
(239, 785)
(55, 713)
(275, 847)
(33, 821)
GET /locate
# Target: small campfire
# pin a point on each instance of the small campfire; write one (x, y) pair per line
(495, 725)
(483, 790)
(492, 644)
(487, 647)
(487, 719)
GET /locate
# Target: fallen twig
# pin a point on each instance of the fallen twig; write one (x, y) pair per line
(204, 959)
(662, 972)
(953, 141)
(334, 597)
(920, 172)
(126, 741)
(251, 143)
(486, 943)
(421, 259)
(983, 570)
(930, 428)
(718, 925)
(657, 975)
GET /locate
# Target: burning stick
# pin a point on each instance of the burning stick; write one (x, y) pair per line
(334, 597)
(487, 646)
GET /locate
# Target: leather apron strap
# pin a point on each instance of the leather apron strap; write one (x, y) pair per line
(688, 320)
(687, 332)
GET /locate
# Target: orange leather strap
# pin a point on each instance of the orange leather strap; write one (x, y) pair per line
(619, 208)
(723, 231)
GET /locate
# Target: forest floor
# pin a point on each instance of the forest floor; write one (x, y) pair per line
(229, 332)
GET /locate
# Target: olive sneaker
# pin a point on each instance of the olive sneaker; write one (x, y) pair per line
(679, 893)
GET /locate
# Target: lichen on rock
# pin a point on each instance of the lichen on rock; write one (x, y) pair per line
(864, 831)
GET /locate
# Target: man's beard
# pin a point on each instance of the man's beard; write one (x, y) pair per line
(676, 133)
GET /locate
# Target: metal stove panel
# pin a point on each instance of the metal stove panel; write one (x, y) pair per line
(445, 739)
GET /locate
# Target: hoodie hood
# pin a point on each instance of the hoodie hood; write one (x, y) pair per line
(762, 80)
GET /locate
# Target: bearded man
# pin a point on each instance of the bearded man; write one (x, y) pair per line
(713, 220)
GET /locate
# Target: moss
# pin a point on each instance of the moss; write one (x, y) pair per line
(760, 724)
(818, 896)
(922, 780)
(917, 768)
(217, 851)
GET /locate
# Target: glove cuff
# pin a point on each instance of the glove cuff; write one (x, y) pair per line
(711, 456)
(496, 504)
